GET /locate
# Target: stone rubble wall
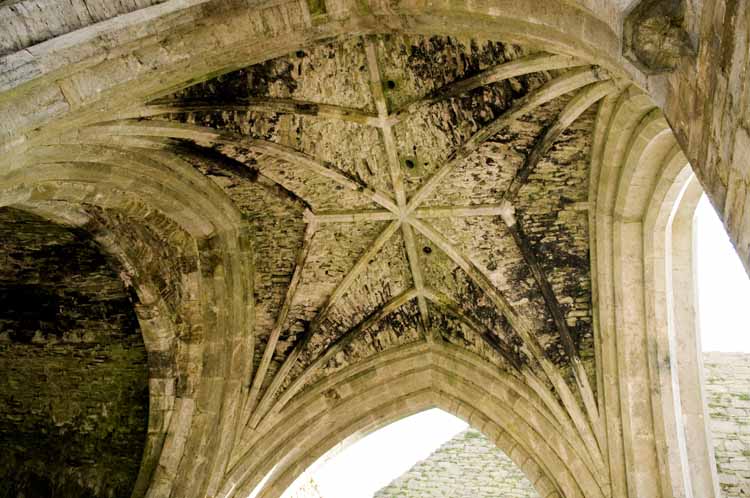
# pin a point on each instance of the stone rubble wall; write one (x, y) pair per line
(727, 381)
(467, 466)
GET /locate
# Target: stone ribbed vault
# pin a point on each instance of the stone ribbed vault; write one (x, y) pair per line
(331, 214)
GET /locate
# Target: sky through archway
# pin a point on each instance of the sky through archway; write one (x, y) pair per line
(723, 286)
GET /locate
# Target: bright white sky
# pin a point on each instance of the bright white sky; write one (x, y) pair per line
(723, 286)
(361, 469)
(375, 460)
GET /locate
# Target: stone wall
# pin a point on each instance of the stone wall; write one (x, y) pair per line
(467, 466)
(73, 367)
(727, 379)
(708, 108)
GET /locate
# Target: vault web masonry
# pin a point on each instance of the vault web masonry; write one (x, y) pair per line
(327, 215)
(410, 215)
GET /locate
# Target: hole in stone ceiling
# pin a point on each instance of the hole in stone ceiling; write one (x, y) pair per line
(390, 84)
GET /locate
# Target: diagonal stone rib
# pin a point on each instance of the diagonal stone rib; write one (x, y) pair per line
(570, 81)
(521, 327)
(389, 143)
(572, 111)
(202, 134)
(270, 105)
(343, 341)
(453, 308)
(553, 305)
(339, 291)
(391, 151)
(273, 337)
(416, 272)
(376, 80)
(143, 143)
(518, 67)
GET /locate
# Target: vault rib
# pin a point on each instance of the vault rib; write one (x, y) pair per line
(520, 326)
(584, 99)
(556, 413)
(273, 337)
(518, 67)
(142, 144)
(451, 307)
(376, 87)
(416, 273)
(376, 80)
(553, 305)
(269, 105)
(389, 143)
(341, 343)
(238, 169)
(339, 291)
(212, 136)
(559, 86)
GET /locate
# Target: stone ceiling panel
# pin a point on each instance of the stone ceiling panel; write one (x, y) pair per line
(443, 176)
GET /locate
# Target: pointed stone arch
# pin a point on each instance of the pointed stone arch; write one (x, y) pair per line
(401, 382)
(201, 394)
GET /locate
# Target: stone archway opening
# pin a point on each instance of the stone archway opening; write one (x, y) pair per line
(692, 269)
(723, 285)
(363, 464)
(74, 390)
(431, 453)
(723, 289)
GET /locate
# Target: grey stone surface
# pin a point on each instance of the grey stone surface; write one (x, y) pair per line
(727, 379)
(292, 138)
(73, 368)
(467, 466)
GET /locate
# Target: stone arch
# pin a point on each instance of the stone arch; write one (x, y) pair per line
(89, 80)
(398, 383)
(220, 358)
(646, 194)
(157, 330)
(88, 77)
(672, 310)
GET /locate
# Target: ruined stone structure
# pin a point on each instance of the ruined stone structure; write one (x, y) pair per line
(467, 466)
(727, 381)
(470, 465)
(324, 215)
